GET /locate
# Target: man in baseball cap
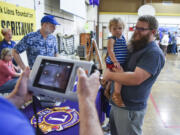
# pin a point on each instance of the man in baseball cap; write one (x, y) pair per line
(50, 19)
(41, 42)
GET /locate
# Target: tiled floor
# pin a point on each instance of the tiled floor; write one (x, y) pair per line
(163, 112)
(162, 117)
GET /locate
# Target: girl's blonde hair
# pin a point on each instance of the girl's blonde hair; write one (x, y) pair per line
(5, 30)
(116, 21)
(5, 52)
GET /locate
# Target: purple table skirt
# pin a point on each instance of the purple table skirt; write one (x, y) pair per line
(74, 130)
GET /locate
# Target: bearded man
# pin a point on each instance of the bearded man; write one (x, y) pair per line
(37, 43)
(144, 64)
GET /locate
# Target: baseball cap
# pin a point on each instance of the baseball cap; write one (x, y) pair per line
(50, 19)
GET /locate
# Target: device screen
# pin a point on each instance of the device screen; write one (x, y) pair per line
(53, 75)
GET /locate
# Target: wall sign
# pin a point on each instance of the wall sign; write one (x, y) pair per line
(19, 19)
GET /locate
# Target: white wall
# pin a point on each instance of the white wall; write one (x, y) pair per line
(39, 8)
(169, 20)
(53, 7)
(131, 20)
(92, 17)
(69, 25)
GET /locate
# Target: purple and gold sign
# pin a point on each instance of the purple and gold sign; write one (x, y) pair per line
(56, 119)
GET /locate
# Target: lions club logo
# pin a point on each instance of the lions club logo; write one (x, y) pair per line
(56, 119)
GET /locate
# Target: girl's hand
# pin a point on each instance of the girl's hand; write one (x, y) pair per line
(120, 70)
(117, 65)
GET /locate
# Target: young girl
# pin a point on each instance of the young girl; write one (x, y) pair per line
(116, 56)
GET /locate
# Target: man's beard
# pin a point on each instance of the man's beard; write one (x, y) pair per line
(136, 45)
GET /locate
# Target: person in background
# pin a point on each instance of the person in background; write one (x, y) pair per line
(8, 75)
(169, 48)
(7, 41)
(164, 43)
(174, 43)
(144, 64)
(157, 39)
(87, 92)
(37, 43)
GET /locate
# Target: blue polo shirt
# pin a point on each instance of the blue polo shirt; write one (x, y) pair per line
(152, 60)
(5, 44)
(34, 44)
(12, 121)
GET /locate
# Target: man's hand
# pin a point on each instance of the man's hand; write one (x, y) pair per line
(87, 92)
(87, 86)
(20, 94)
(18, 59)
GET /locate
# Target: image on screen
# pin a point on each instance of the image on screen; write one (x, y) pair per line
(53, 75)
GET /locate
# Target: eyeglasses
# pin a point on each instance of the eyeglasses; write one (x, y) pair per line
(141, 29)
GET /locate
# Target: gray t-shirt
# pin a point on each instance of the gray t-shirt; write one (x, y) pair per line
(152, 60)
